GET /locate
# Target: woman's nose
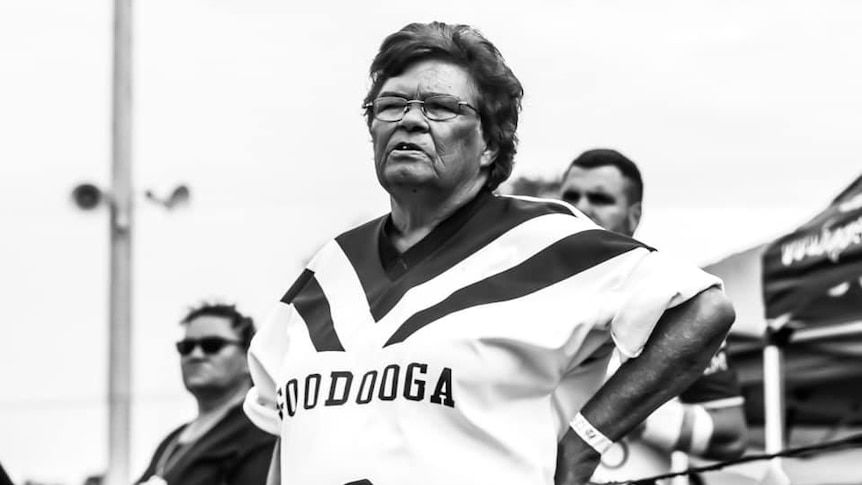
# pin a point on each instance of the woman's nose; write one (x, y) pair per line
(414, 116)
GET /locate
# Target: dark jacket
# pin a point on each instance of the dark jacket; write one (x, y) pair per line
(4, 478)
(233, 452)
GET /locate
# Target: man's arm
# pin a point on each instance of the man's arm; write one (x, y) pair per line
(711, 433)
(679, 348)
(730, 435)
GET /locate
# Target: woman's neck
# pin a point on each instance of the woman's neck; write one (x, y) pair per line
(415, 215)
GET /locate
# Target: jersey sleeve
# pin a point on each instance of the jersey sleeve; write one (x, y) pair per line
(264, 358)
(654, 284)
(718, 386)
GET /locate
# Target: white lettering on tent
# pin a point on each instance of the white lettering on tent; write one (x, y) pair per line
(829, 243)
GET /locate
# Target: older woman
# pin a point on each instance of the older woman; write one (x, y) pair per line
(463, 337)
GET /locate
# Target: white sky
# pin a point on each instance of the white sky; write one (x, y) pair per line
(744, 117)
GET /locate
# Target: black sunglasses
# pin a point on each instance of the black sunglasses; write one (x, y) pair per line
(210, 345)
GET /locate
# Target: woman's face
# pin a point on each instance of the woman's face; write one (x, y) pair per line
(416, 153)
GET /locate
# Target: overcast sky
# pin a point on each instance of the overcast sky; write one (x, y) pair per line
(744, 117)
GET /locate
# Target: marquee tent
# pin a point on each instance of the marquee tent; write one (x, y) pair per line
(799, 304)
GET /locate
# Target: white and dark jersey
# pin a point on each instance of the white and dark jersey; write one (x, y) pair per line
(460, 361)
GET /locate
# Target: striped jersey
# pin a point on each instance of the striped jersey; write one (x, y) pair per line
(461, 360)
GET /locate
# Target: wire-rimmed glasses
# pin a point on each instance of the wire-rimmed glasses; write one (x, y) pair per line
(435, 108)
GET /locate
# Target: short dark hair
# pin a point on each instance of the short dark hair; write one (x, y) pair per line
(500, 92)
(243, 325)
(604, 157)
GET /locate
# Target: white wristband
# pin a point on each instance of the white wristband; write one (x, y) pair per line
(590, 434)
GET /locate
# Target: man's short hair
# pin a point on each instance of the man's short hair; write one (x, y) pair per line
(243, 325)
(604, 157)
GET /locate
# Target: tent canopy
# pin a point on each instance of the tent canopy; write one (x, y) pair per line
(811, 279)
(812, 275)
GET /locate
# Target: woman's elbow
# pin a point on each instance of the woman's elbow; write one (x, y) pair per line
(718, 309)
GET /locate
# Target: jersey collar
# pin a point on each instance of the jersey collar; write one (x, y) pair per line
(396, 264)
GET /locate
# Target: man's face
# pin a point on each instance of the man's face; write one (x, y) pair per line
(415, 152)
(601, 194)
(218, 372)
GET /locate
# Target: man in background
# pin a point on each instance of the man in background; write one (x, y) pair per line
(707, 420)
(220, 445)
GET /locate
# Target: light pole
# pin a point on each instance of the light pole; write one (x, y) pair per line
(89, 196)
(120, 199)
(120, 282)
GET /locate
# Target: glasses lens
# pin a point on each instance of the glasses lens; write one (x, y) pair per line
(389, 108)
(185, 347)
(211, 345)
(441, 108)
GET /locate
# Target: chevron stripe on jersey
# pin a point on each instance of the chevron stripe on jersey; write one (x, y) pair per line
(546, 268)
(488, 217)
(525, 246)
(309, 300)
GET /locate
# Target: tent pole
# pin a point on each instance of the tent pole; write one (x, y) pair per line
(773, 389)
(773, 397)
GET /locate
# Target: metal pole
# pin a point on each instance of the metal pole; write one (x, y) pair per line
(119, 332)
(773, 392)
(773, 397)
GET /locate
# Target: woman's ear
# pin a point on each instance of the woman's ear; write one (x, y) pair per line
(488, 157)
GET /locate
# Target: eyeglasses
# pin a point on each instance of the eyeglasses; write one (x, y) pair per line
(209, 345)
(435, 108)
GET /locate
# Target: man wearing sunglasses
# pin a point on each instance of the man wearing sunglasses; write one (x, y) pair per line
(220, 445)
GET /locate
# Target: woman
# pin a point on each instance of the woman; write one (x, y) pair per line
(454, 339)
